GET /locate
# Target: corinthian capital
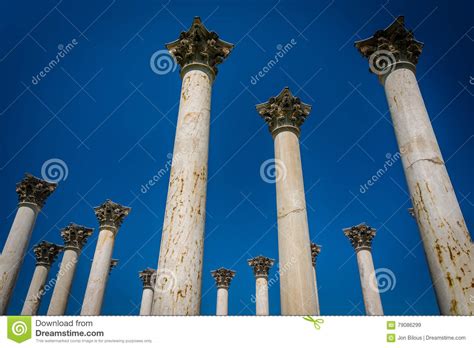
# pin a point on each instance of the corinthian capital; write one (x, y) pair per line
(111, 214)
(46, 253)
(148, 277)
(360, 236)
(315, 250)
(389, 46)
(199, 46)
(113, 264)
(284, 112)
(261, 265)
(34, 190)
(75, 236)
(223, 277)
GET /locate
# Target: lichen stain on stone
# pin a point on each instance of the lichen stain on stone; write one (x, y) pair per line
(3, 281)
(191, 117)
(454, 307)
(439, 253)
(196, 180)
(450, 280)
(451, 255)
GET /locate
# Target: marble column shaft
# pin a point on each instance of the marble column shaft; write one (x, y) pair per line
(223, 278)
(262, 306)
(261, 266)
(361, 237)
(222, 301)
(285, 114)
(315, 250)
(75, 237)
(181, 252)
(32, 194)
(46, 254)
(110, 216)
(444, 233)
(147, 276)
(33, 298)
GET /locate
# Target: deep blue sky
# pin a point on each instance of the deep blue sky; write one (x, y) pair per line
(111, 133)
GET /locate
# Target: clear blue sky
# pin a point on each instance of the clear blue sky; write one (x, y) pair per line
(111, 119)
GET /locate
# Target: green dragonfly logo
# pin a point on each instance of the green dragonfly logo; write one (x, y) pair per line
(316, 322)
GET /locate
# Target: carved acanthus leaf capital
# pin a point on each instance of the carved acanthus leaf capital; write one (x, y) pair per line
(223, 277)
(198, 45)
(75, 236)
(111, 214)
(392, 45)
(284, 112)
(261, 265)
(360, 236)
(148, 277)
(34, 190)
(46, 253)
(113, 264)
(315, 250)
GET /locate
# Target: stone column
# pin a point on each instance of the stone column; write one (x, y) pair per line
(261, 266)
(361, 237)
(110, 216)
(32, 194)
(285, 114)
(223, 278)
(148, 277)
(393, 54)
(75, 237)
(45, 254)
(178, 289)
(315, 250)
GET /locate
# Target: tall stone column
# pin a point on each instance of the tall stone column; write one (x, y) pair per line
(315, 250)
(223, 278)
(361, 237)
(148, 277)
(45, 254)
(393, 54)
(110, 216)
(32, 194)
(75, 237)
(178, 288)
(285, 114)
(261, 266)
